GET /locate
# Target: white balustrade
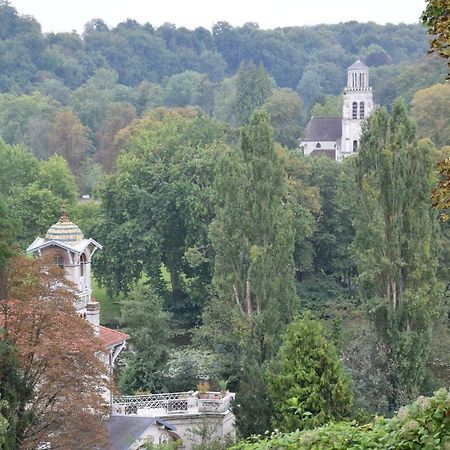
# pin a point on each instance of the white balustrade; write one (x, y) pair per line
(157, 405)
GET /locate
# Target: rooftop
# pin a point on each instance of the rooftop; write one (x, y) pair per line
(111, 337)
(323, 129)
(358, 65)
(124, 431)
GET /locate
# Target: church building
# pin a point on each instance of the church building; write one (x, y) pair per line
(65, 243)
(338, 137)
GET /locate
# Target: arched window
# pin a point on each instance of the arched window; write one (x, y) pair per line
(82, 264)
(355, 145)
(59, 261)
(318, 145)
(361, 110)
(355, 110)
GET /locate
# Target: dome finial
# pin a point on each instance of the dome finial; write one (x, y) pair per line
(64, 217)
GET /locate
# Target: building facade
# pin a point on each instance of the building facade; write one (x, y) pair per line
(338, 137)
(64, 242)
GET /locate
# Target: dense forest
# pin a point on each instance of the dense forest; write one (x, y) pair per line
(70, 95)
(316, 291)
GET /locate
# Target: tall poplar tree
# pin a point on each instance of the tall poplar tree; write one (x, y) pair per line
(394, 247)
(253, 240)
(253, 88)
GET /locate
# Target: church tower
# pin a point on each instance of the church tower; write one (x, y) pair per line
(358, 104)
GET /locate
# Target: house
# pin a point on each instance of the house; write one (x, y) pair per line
(338, 137)
(65, 243)
(137, 419)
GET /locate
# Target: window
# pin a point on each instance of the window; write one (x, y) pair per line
(361, 110)
(355, 145)
(318, 145)
(59, 261)
(355, 110)
(82, 263)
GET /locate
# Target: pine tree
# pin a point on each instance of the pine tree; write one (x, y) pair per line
(306, 381)
(394, 246)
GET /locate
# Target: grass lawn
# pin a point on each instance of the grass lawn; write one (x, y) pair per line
(109, 306)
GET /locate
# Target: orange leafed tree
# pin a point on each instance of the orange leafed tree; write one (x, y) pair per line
(57, 357)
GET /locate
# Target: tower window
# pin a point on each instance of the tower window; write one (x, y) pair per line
(361, 110)
(355, 145)
(318, 145)
(82, 263)
(355, 110)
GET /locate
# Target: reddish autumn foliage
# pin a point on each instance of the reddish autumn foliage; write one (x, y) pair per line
(58, 357)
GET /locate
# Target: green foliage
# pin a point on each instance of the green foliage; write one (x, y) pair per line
(425, 424)
(54, 175)
(34, 191)
(395, 229)
(16, 393)
(161, 199)
(330, 106)
(287, 115)
(334, 231)
(145, 320)
(252, 90)
(190, 89)
(252, 234)
(253, 239)
(431, 111)
(306, 381)
(18, 168)
(436, 18)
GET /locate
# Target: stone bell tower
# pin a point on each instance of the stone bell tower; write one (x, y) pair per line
(358, 104)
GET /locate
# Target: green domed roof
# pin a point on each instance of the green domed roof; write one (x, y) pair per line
(64, 231)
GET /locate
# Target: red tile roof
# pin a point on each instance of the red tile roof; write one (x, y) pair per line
(111, 337)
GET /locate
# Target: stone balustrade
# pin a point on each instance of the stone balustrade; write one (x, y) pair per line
(172, 404)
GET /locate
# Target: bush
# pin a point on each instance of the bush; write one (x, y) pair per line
(425, 424)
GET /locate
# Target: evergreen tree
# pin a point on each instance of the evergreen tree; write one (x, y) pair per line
(253, 88)
(394, 247)
(306, 382)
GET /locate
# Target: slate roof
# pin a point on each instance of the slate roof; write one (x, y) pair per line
(111, 337)
(358, 65)
(123, 431)
(323, 129)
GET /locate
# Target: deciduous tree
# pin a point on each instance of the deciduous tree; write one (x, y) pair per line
(68, 138)
(54, 394)
(395, 231)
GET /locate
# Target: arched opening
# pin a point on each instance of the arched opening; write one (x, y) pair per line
(82, 264)
(361, 110)
(59, 261)
(318, 145)
(355, 110)
(355, 145)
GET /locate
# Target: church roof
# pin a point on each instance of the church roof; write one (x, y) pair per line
(358, 65)
(323, 129)
(111, 337)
